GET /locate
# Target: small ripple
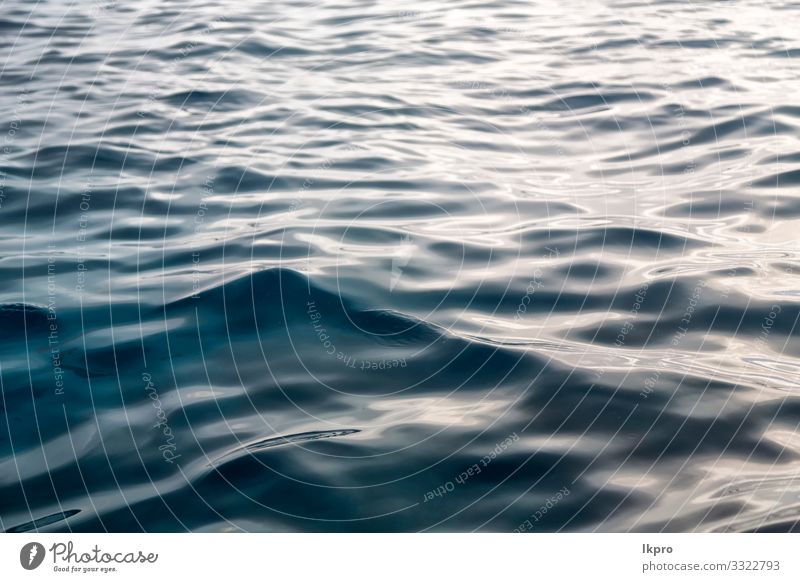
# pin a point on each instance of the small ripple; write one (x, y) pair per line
(271, 442)
(36, 524)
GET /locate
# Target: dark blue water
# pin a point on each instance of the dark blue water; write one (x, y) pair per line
(352, 266)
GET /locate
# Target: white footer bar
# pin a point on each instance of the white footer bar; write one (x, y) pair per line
(389, 557)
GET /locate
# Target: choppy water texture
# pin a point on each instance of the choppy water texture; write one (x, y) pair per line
(448, 266)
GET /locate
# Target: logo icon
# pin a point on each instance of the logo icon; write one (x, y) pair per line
(31, 555)
(400, 259)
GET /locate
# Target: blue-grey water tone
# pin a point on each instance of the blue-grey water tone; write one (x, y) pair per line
(379, 266)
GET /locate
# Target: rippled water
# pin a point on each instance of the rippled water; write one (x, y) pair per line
(451, 266)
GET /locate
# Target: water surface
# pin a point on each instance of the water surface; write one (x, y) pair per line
(356, 266)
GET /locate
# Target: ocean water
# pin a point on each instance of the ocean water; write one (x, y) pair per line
(358, 266)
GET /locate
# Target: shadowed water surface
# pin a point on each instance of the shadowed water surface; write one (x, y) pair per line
(352, 266)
